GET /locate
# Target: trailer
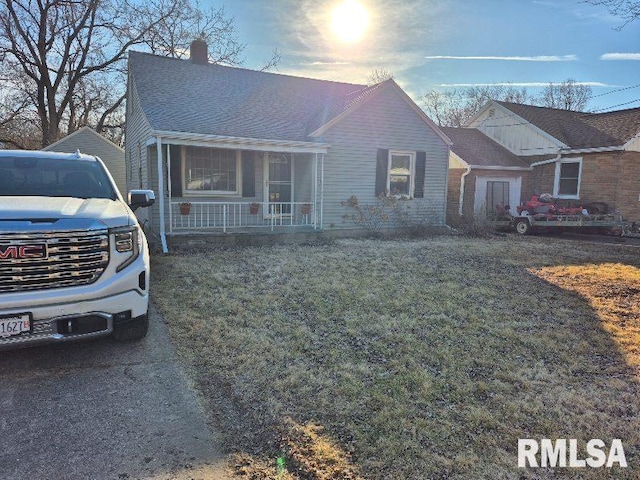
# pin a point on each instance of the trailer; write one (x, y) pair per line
(545, 213)
(525, 223)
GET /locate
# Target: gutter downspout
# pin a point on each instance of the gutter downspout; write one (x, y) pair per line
(321, 191)
(462, 184)
(163, 236)
(545, 162)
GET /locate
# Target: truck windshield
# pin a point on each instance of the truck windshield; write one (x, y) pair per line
(53, 177)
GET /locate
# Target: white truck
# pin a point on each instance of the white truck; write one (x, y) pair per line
(74, 261)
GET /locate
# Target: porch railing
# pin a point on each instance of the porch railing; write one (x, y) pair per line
(240, 215)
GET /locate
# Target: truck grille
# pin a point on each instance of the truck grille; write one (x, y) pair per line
(41, 261)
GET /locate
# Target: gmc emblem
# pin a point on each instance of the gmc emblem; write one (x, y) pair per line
(11, 252)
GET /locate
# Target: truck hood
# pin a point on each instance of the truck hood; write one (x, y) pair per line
(63, 211)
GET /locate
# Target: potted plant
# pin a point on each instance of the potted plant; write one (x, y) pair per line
(253, 208)
(185, 208)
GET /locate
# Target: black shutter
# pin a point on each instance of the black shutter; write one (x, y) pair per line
(248, 174)
(382, 169)
(175, 176)
(421, 164)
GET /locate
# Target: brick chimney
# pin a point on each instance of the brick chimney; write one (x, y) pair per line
(199, 52)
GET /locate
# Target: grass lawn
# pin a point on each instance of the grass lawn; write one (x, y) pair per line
(410, 359)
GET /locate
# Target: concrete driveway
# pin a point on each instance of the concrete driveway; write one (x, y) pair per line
(103, 410)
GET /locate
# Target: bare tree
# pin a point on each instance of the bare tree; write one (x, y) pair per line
(65, 60)
(568, 95)
(628, 10)
(378, 76)
(58, 45)
(455, 108)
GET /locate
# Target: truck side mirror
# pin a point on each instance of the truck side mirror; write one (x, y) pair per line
(141, 198)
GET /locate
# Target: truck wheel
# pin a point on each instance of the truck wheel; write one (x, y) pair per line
(523, 227)
(135, 329)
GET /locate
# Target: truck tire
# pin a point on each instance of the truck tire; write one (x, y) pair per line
(522, 226)
(135, 329)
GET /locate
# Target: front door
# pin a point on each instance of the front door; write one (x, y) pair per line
(495, 194)
(278, 184)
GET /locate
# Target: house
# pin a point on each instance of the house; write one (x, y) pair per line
(90, 142)
(582, 159)
(483, 175)
(234, 150)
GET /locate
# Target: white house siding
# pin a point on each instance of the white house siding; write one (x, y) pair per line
(514, 133)
(137, 132)
(387, 122)
(92, 143)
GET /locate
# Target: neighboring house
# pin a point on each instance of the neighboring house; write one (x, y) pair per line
(483, 175)
(88, 141)
(248, 149)
(580, 158)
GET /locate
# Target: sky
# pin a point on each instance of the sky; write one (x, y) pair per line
(445, 44)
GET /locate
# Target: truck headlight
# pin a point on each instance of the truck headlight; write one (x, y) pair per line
(127, 239)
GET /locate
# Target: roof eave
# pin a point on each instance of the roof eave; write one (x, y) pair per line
(221, 141)
(499, 167)
(610, 148)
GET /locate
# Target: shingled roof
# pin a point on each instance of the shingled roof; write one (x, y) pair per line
(182, 96)
(580, 129)
(475, 148)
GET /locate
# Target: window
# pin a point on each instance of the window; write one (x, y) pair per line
(401, 169)
(212, 170)
(567, 179)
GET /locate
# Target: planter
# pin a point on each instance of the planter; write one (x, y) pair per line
(185, 208)
(306, 209)
(253, 208)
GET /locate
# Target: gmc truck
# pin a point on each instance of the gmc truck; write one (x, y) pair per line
(74, 261)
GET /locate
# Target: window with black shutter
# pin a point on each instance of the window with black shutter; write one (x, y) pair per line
(400, 173)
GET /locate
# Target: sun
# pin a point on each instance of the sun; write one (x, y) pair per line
(349, 21)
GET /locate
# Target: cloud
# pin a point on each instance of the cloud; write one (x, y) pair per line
(518, 84)
(538, 58)
(320, 63)
(620, 56)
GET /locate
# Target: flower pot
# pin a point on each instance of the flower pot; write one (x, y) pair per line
(185, 208)
(253, 208)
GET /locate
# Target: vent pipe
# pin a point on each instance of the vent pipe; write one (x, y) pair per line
(199, 52)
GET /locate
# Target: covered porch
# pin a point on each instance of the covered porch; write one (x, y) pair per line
(222, 185)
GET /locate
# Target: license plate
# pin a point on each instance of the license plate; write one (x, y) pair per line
(15, 324)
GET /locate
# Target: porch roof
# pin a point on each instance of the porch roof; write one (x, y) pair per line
(476, 149)
(214, 100)
(218, 141)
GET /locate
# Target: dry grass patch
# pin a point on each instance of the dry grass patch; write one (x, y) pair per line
(423, 359)
(613, 291)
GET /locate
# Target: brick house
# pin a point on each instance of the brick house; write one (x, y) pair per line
(512, 151)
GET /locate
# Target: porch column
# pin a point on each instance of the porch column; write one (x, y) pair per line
(321, 190)
(169, 188)
(163, 237)
(315, 191)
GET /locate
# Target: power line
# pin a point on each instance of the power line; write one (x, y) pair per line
(616, 106)
(614, 91)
